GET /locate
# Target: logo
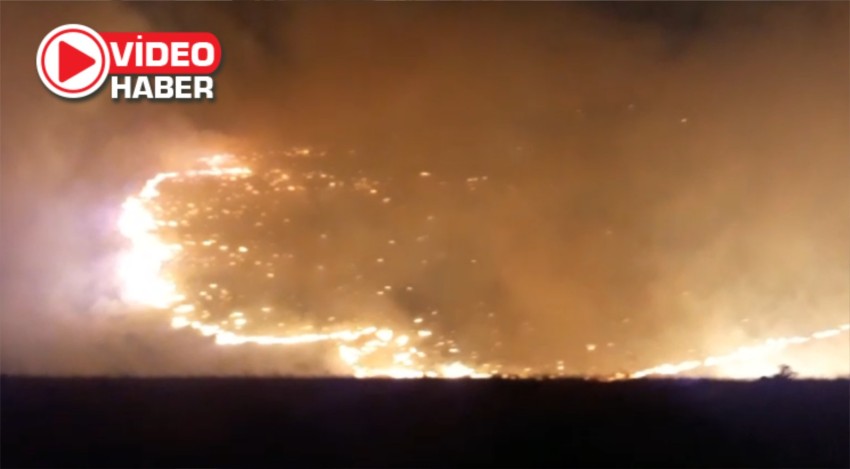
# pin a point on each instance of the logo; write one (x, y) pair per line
(74, 61)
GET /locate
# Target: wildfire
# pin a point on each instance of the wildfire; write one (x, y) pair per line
(140, 268)
(144, 282)
(742, 354)
(368, 350)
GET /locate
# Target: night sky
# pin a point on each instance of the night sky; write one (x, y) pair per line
(653, 182)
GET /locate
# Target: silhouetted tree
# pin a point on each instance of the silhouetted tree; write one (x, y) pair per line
(785, 372)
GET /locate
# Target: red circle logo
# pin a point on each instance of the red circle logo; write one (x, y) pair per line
(73, 61)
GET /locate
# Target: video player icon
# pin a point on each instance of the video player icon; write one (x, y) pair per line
(73, 61)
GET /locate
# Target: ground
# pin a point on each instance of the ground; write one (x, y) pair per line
(344, 422)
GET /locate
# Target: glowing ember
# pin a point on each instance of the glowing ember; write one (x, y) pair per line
(141, 272)
(368, 350)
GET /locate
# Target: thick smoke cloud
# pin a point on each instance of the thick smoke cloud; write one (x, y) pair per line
(675, 176)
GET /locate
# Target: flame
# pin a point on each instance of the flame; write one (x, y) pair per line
(140, 268)
(749, 354)
(141, 272)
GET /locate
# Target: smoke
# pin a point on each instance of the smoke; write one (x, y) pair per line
(670, 179)
(66, 167)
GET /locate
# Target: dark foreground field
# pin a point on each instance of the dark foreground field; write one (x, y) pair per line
(340, 422)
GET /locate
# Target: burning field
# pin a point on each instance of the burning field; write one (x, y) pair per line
(437, 190)
(537, 234)
(271, 250)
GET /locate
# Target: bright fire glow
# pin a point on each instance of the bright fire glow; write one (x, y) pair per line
(734, 359)
(144, 282)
